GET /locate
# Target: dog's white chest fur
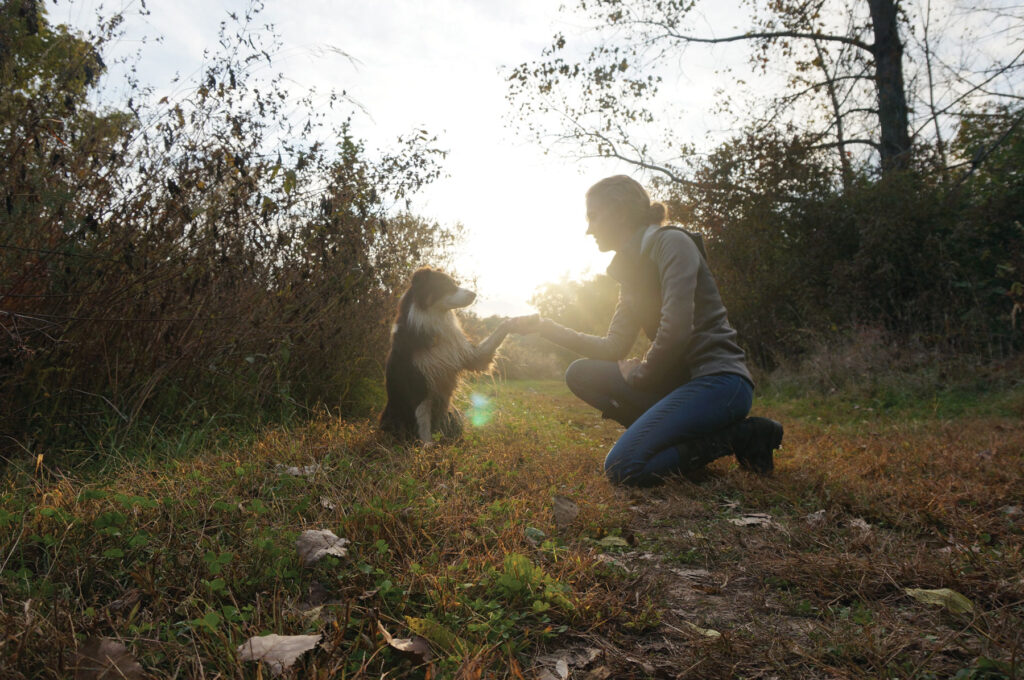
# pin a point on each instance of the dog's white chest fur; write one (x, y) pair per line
(449, 351)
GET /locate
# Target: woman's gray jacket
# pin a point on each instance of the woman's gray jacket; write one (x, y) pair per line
(665, 288)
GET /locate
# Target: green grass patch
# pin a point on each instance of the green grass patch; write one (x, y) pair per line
(183, 548)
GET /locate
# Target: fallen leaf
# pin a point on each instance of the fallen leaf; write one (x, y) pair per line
(648, 668)
(950, 599)
(313, 544)
(304, 471)
(279, 652)
(565, 512)
(416, 647)
(599, 673)
(440, 636)
(858, 523)
(753, 519)
(815, 518)
(706, 632)
(534, 535)
(130, 598)
(690, 573)
(613, 542)
(105, 659)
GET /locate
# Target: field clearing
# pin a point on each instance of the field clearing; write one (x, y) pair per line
(183, 553)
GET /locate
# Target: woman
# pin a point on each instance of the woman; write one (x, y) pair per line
(685, 402)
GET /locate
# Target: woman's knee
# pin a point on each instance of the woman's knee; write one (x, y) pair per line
(623, 469)
(578, 376)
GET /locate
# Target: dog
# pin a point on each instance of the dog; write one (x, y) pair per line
(429, 351)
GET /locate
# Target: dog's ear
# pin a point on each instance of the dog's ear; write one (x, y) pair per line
(423, 287)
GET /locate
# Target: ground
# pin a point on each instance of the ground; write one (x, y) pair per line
(509, 555)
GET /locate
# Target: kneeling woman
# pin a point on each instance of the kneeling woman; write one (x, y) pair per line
(685, 403)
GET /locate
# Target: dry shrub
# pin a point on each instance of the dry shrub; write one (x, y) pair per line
(227, 251)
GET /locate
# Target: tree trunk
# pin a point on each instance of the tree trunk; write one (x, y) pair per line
(892, 97)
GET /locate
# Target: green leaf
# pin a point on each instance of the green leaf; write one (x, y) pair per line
(438, 635)
(613, 542)
(290, 180)
(950, 599)
(534, 535)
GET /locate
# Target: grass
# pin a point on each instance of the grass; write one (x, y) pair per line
(184, 554)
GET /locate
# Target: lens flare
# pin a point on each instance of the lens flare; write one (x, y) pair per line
(480, 410)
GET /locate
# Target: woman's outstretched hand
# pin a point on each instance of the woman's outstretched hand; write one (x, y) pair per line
(524, 325)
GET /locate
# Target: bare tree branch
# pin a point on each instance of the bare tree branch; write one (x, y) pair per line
(761, 35)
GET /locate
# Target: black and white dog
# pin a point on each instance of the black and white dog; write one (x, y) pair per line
(428, 352)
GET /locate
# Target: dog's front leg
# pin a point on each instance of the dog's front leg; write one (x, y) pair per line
(483, 353)
(423, 422)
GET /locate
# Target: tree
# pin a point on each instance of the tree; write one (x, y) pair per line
(842, 63)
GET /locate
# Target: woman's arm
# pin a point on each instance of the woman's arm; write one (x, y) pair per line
(615, 344)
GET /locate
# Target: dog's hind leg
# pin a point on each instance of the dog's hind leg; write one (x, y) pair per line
(423, 421)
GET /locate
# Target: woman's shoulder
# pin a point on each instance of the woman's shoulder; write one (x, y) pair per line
(670, 240)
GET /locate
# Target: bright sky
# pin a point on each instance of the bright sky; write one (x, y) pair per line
(438, 66)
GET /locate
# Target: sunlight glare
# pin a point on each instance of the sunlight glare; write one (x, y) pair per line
(480, 410)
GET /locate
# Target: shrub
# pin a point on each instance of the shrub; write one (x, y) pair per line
(228, 252)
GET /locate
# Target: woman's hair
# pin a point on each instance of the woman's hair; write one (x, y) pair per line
(628, 198)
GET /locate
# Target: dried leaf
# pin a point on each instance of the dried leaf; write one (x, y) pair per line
(105, 659)
(648, 668)
(753, 519)
(815, 518)
(279, 652)
(950, 599)
(690, 573)
(313, 544)
(706, 632)
(416, 647)
(304, 471)
(565, 512)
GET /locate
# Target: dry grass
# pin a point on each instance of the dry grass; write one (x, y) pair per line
(184, 557)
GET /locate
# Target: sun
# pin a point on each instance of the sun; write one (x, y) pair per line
(524, 228)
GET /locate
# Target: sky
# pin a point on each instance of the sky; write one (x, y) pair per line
(436, 66)
(442, 66)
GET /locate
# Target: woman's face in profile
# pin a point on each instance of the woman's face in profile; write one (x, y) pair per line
(604, 225)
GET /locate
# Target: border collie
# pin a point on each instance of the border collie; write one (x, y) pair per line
(428, 352)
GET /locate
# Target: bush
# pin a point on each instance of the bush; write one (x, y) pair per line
(929, 257)
(227, 252)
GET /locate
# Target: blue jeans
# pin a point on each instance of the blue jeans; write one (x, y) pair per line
(656, 423)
